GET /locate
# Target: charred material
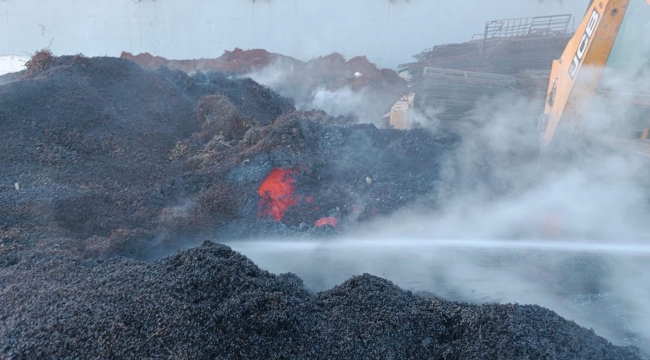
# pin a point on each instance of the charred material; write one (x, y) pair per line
(211, 302)
(110, 158)
(299, 80)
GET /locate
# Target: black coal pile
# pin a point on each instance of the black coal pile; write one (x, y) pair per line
(101, 159)
(86, 146)
(211, 302)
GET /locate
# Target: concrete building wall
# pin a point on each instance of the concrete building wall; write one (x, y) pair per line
(387, 31)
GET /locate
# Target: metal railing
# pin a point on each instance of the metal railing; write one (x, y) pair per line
(539, 26)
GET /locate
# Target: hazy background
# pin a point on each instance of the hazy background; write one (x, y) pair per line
(388, 32)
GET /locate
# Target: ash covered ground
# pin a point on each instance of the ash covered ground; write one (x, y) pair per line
(106, 165)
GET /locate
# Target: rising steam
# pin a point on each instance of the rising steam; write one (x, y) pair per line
(365, 104)
(566, 234)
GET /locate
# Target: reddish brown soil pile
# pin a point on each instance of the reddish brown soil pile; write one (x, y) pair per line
(237, 61)
(297, 79)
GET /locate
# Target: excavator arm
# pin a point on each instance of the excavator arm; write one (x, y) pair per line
(576, 75)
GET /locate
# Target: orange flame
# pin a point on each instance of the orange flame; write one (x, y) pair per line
(330, 220)
(277, 193)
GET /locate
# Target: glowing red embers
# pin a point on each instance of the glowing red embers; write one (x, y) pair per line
(330, 220)
(277, 194)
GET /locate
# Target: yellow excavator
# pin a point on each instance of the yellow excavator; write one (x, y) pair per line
(605, 69)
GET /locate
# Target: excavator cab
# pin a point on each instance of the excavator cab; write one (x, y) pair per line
(601, 83)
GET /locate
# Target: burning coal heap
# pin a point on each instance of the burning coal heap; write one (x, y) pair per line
(110, 159)
(103, 158)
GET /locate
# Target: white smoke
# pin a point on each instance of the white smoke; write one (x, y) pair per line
(569, 233)
(346, 102)
(566, 234)
(426, 118)
(364, 105)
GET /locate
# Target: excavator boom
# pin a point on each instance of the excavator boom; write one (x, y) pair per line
(608, 36)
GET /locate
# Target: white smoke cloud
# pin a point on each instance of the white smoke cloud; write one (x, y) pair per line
(426, 118)
(566, 234)
(346, 102)
(365, 105)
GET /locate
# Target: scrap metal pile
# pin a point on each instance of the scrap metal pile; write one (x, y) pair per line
(511, 56)
(101, 158)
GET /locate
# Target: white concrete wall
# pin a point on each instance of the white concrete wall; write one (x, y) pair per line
(12, 63)
(387, 31)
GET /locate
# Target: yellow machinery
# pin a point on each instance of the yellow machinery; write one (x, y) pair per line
(607, 59)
